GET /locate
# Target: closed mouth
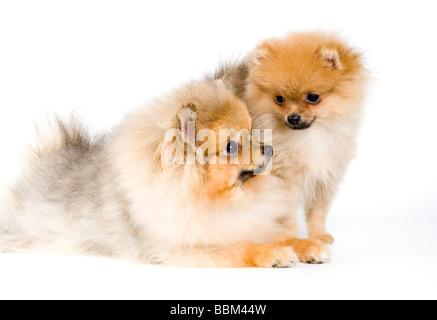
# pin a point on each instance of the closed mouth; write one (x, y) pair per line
(302, 125)
(246, 175)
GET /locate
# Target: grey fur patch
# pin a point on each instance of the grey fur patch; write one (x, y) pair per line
(70, 134)
(235, 76)
(68, 195)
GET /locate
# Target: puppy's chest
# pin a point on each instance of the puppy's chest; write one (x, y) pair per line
(312, 155)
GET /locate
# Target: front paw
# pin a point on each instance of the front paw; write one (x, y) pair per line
(326, 238)
(312, 251)
(284, 258)
(274, 256)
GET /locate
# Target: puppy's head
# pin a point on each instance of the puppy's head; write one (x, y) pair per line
(305, 78)
(214, 144)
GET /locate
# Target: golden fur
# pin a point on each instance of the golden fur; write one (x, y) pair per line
(312, 157)
(128, 194)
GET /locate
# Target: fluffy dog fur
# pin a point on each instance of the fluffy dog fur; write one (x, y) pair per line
(118, 195)
(311, 155)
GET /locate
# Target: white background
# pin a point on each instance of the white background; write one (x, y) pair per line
(103, 58)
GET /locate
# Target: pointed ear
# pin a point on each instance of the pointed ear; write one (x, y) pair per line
(261, 53)
(330, 57)
(186, 118)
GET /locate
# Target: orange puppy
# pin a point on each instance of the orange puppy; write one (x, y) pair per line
(308, 88)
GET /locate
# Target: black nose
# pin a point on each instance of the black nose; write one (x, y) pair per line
(294, 119)
(268, 151)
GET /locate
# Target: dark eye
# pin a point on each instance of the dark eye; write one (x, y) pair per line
(312, 98)
(232, 148)
(280, 99)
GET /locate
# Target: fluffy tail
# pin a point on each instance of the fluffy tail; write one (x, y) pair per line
(7, 203)
(56, 134)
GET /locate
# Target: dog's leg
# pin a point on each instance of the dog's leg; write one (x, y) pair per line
(309, 250)
(316, 212)
(239, 255)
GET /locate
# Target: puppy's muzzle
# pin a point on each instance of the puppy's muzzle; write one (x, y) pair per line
(295, 122)
(246, 175)
(267, 151)
(265, 168)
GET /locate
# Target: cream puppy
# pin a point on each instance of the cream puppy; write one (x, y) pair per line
(164, 187)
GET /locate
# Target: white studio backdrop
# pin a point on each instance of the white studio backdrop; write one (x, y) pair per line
(101, 59)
